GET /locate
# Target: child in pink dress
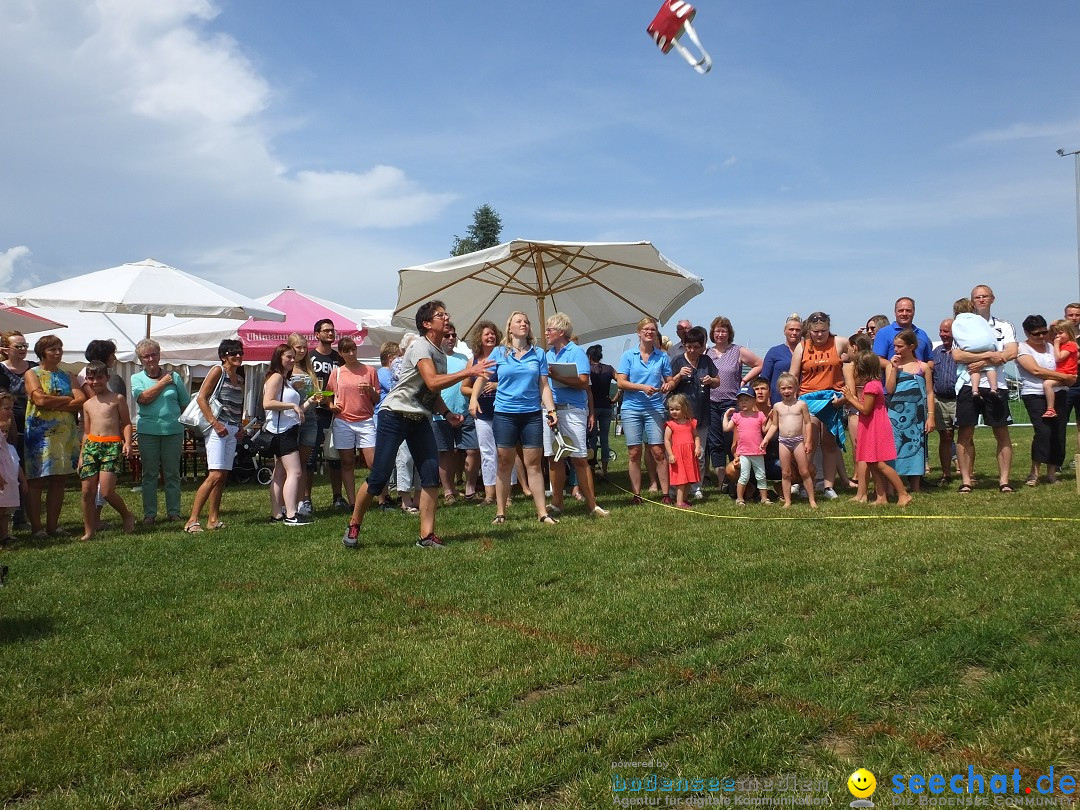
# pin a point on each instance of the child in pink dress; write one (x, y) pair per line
(875, 444)
(683, 447)
(750, 449)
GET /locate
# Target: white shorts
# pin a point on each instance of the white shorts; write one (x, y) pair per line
(354, 435)
(221, 450)
(573, 425)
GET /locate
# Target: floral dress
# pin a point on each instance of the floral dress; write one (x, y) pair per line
(52, 438)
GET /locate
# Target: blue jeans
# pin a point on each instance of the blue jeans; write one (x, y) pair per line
(601, 434)
(394, 429)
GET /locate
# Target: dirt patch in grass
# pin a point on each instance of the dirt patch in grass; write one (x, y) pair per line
(840, 746)
(542, 692)
(973, 676)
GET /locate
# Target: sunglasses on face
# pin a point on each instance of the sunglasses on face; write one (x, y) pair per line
(1038, 332)
(234, 354)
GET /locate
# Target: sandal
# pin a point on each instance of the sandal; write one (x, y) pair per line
(1005, 488)
(193, 528)
(215, 526)
(1031, 481)
(499, 520)
(486, 502)
(547, 519)
(410, 510)
(964, 489)
(448, 499)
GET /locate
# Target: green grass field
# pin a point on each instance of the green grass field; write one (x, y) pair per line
(264, 666)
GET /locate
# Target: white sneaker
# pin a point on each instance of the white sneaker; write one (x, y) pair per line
(698, 495)
(829, 493)
(598, 512)
(304, 509)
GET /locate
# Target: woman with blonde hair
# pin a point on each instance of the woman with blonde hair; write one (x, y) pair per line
(305, 383)
(522, 400)
(644, 376)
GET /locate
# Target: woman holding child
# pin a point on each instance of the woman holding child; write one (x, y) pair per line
(1037, 363)
(52, 436)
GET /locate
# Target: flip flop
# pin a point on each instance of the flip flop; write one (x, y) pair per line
(499, 520)
(215, 526)
(193, 528)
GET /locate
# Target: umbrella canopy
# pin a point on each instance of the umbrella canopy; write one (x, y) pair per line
(301, 312)
(605, 288)
(145, 288)
(13, 319)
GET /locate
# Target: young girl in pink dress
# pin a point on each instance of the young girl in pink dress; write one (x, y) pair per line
(683, 447)
(875, 443)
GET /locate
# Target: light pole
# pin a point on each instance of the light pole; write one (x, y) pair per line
(1076, 161)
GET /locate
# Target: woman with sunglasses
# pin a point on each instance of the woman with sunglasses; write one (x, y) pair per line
(14, 365)
(227, 381)
(1036, 361)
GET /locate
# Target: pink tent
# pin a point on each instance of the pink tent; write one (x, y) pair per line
(301, 312)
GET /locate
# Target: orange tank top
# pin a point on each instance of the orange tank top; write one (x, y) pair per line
(822, 368)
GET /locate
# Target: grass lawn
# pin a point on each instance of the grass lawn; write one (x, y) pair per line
(265, 666)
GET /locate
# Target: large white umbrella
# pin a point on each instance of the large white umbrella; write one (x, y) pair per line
(146, 288)
(605, 288)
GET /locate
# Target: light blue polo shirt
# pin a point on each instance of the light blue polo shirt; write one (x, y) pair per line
(519, 380)
(575, 397)
(651, 373)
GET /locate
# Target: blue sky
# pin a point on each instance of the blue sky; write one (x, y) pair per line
(838, 155)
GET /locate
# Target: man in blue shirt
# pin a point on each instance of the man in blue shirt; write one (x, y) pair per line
(573, 402)
(904, 310)
(945, 398)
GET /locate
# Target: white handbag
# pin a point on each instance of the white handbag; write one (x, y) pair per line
(329, 451)
(193, 417)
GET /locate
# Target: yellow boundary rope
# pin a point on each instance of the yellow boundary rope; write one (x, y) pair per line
(878, 514)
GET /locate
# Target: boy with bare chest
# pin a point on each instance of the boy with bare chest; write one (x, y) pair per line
(107, 439)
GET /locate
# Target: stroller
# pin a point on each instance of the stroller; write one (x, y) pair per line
(248, 463)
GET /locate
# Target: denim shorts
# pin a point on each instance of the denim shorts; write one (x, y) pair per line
(512, 429)
(643, 427)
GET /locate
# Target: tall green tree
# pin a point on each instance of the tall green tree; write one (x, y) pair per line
(483, 233)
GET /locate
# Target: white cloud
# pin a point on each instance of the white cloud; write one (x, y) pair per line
(8, 260)
(1025, 131)
(142, 131)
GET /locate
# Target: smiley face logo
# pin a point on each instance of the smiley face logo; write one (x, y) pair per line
(862, 784)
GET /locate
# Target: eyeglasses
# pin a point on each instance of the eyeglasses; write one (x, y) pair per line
(150, 356)
(451, 334)
(20, 345)
(329, 329)
(442, 315)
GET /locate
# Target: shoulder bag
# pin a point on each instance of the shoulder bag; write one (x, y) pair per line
(329, 451)
(193, 417)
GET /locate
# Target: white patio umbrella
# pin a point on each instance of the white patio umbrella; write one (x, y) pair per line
(146, 288)
(605, 288)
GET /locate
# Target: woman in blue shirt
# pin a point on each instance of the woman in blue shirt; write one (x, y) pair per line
(523, 394)
(644, 376)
